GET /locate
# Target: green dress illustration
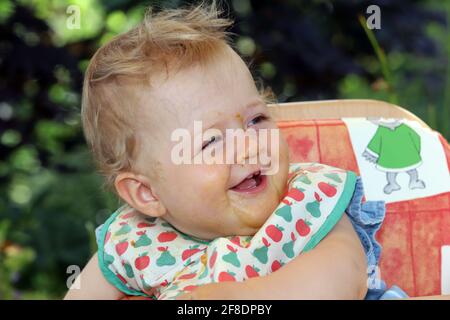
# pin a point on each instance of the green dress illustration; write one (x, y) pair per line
(395, 147)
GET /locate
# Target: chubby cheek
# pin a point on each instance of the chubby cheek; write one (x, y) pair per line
(194, 193)
(209, 180)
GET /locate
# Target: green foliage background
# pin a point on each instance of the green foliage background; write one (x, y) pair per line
(50, 198)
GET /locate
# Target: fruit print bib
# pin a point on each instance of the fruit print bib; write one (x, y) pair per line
(147, 256)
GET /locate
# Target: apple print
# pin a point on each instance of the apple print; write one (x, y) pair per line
(274, 232)
(145, 225)
(189, 252)
(213, 258)
(142, 261)
(302, 227)
(165, 283)
(121, 247)
(236, 240)
(276, 265)
(128, 215)
(187, 276)
(296, 194)
(167, 236)
(328, 189)
(226, 276)
(121, 278)
(189, 288)
(251, 271)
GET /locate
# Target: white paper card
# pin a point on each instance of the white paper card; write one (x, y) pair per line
(398, 159)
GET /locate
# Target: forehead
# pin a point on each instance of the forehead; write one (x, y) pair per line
(224, 86)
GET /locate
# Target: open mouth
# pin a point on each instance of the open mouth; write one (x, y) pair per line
(253, 183)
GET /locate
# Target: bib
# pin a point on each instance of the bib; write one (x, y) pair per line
(147, 256)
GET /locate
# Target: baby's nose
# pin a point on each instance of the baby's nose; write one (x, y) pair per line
(249, 150)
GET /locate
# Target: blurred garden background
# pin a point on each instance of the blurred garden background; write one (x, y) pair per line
(50, 198)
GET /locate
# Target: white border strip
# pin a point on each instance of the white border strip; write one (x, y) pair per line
(445, 269)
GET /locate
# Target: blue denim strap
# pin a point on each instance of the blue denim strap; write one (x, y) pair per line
(367, 218)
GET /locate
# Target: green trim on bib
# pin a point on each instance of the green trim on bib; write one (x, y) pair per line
(336, 214)
(109, 275)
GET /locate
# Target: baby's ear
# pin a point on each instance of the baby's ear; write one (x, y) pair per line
(137, 192)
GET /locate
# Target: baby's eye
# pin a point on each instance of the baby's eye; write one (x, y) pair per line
(259, 118)
(209, 142)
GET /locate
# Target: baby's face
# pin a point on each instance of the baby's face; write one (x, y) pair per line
(219, 199)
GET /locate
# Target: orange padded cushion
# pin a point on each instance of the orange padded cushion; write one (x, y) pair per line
(413, 232)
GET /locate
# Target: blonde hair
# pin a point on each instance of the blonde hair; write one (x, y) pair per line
(176, 37)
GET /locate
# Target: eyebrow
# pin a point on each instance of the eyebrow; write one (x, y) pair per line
(254, 103)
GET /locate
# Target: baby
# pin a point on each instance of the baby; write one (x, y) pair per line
(177, 67)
